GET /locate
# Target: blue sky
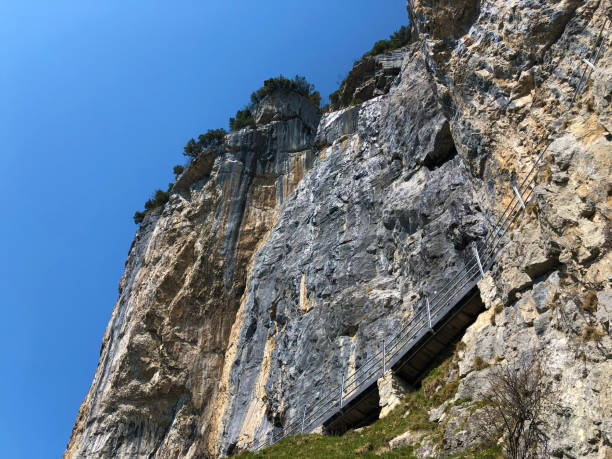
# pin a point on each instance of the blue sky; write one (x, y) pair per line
(98, 99)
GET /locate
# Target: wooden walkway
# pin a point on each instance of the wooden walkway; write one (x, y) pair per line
(413, 366)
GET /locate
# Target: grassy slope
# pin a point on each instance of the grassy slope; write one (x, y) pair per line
(372, 441)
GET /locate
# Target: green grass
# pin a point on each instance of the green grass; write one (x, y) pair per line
(412, 414)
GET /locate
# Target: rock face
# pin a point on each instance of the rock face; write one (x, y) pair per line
(371, 76)
(281, 262)
(391, 389)
(357, 241)
(507, 84)
(156, 386)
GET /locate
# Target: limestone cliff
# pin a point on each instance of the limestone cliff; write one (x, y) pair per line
(157, 383)
(280, 263)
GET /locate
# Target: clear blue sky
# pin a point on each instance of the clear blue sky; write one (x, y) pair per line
(98, 99)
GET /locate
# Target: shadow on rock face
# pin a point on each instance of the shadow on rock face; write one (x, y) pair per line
(443, 151)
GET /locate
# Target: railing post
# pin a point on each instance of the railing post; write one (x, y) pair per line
(518, 195)
(384, 356)
(303, 418)
(475, 249)
(342, 390)
(589, 64)
(428, 312)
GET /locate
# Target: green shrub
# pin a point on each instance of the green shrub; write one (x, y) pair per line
(160, 198)
(243, 119)
(139, 217)
(315, 98)
(299, 84)
(212, 139)
(397, 39)
(334, 97)
(191, 149)
(178, 170)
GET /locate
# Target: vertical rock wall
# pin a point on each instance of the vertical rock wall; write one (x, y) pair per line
(387, 212)
(163, 352)
(507, 73)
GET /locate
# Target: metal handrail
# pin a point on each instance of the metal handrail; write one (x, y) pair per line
(438, 306)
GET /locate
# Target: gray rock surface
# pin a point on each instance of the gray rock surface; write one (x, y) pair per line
(370, 77)
(367, 218)
(406, 439)
(285, 105)
(391, 390)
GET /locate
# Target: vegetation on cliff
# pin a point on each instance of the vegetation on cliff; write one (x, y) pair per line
(178, 170)
(298, 84)
(396, 40)
(242, 119)
(159, 198)
(365, 65)
(213, 138)
(412, 415)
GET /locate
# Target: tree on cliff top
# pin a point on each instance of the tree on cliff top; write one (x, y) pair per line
(159, 199)
(397, 39)
(366, 64)
(299, 84)
(242, 119)
(212, 139)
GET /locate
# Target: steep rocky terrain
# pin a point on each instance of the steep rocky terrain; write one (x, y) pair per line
(162, 355)
(371, 76)
(280, 263)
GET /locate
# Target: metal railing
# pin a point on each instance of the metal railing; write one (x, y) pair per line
(484, 252)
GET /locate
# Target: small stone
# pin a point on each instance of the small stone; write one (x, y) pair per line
(541, 322)
(520, 103)
(408, 438)
(363, 449)
(436, 414)
(604, 308)
(515, 280)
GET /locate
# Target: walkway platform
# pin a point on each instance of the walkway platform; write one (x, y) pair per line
(412, 367)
